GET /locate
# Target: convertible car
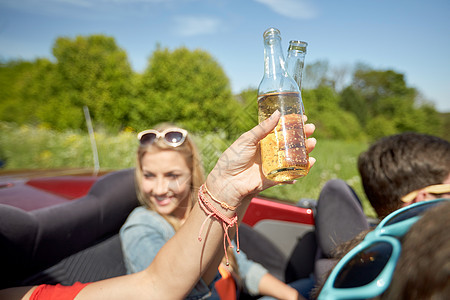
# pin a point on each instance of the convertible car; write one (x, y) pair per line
(62, 227)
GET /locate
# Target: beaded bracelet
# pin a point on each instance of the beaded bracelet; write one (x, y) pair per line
(227, 222)
(223, 204)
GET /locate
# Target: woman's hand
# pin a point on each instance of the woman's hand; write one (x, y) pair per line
(238, 171)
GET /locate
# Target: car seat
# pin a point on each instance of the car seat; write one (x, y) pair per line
(79, 240)
(69, 242)
(339, 218)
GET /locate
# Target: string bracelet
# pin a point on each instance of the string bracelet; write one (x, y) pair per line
(227, 222)
(223, 204)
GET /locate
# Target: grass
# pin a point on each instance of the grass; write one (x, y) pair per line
(27, 147)
(335, 159)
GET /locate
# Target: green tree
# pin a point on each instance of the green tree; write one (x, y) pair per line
(187, 87)
(44, 100)
(379, 127)
(322, 109)
(249, 100)
(374, 85)
(13, 77)
(352, 102)
(94, 71)
(91, 71)
(315, 74)
(387, 98)
(445, 129)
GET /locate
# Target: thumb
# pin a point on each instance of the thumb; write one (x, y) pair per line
(265, 127)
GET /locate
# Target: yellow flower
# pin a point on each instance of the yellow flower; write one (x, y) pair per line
(45, 155)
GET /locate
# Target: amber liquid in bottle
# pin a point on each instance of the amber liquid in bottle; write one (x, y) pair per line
(283, 151)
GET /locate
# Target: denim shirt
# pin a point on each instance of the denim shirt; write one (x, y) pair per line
(145, 232)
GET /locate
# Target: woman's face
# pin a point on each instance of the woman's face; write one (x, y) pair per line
(166, 182)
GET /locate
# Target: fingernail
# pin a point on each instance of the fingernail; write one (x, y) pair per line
(275, 114)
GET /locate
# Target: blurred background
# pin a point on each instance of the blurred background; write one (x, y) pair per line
(372, 68)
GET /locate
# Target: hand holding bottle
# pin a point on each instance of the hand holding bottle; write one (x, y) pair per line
(238, 172)
(283, 151)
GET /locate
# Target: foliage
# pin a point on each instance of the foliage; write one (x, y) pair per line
(89, 71)
(445, 119)
(353, 102)
(41, 109)
(322, 109)
(13, 78)
(190, 88)
(315, 74)
(335, 159)
(385, 105)
(33, 147)
(95, 72)
(187, 87)
(249, 100)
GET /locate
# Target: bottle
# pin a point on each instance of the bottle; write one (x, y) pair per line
(283, 151)
(295, 61)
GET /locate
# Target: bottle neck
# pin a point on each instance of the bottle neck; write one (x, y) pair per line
(274, 64)
(295, 60)
(276, 79)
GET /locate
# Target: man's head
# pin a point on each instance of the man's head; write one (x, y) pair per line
(399, 164)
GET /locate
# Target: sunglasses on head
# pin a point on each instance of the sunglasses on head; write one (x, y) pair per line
(437, 189)
(173, 137)
(366, 271)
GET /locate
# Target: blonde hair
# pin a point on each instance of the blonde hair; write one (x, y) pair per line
(193, 160)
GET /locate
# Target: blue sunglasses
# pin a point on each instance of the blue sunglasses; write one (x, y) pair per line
(366, 271)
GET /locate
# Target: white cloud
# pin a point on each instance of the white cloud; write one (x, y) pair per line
(296, 9)
(191, 25)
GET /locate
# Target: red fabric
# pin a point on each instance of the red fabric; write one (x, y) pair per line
(226, 286)
(57, 292)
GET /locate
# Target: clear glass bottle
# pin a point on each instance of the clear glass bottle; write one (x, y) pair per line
(295, 60)
(283, 151)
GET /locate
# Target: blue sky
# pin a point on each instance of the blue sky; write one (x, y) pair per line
(409, 36)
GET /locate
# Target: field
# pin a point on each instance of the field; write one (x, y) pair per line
(27, 147)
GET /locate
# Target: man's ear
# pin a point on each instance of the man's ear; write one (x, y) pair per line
(421, 196)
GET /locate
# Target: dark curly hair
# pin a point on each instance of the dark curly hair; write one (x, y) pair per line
(399, 164)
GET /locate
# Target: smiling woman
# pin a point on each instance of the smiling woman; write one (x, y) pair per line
(167, 183)
(169, 174)
(237, 177)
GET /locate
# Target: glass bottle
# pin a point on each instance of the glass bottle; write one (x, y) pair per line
(295, 60)
(283, 151)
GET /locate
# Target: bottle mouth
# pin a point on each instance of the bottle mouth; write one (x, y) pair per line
(271, 31)
(298, 45)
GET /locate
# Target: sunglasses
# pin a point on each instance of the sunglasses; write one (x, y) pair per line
(366, 271)
(173, 137)
(437, 189)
